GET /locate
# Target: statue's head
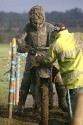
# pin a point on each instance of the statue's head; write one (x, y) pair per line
(37, 17)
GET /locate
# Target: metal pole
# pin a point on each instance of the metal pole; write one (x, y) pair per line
(12, 78)
(69, 101)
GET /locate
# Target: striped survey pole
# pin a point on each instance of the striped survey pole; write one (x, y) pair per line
(12, 78)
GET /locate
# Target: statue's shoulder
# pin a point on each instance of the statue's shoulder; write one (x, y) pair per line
(49, 25)
(27, 27)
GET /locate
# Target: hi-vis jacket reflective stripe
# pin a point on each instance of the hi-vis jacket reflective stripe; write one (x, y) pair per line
(68, 49)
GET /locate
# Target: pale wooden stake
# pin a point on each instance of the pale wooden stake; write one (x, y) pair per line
(12, 78)
(17, 79)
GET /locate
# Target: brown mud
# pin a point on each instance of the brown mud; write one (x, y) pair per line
(57, 117)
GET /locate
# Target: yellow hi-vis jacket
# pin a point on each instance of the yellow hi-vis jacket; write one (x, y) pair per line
(68, 49)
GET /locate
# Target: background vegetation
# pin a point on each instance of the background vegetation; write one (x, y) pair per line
(4, 66)
(11, 24)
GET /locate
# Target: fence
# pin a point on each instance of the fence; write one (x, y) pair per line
(13, 97)
(14, 65)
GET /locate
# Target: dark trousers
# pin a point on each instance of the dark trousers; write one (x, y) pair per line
(73, 95)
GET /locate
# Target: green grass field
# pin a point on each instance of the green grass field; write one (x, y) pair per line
(4, 66)
(4, 50)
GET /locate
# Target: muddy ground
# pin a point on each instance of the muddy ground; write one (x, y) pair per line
(57, 116)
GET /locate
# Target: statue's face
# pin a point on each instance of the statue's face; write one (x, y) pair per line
(37, 17)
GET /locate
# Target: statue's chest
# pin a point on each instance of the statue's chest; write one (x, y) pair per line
(39, 38)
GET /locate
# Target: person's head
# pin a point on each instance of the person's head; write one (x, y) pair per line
(37, 17)
(59, 27)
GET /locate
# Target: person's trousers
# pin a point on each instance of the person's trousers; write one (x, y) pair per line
(71, 97)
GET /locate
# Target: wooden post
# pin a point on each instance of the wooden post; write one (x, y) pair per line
(17, 79)
(12, 78)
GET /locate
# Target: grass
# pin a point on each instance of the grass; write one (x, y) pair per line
(4, 50)
(4, 66)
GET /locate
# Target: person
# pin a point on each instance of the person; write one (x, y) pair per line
(35, 34)
(67, 48)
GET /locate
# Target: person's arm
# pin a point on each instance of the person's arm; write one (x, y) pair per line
(49, 58)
